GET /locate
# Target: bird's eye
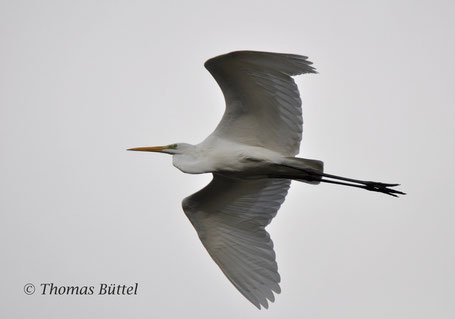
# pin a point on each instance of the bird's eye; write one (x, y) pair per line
(172, 146)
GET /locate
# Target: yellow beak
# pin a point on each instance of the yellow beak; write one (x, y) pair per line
(149, 149)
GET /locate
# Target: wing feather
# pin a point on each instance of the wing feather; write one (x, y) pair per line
(263, 105)
(230, 216)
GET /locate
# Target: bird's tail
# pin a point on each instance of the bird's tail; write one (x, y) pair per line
(302, 169)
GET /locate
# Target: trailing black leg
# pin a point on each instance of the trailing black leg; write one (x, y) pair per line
(309, 175)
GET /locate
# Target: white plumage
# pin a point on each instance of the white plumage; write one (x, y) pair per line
(263, 106)
(251, 155)
(230, 216)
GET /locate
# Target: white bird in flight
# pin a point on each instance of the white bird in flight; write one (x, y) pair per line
(251, 155)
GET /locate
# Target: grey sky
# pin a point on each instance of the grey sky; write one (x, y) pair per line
(82, 81)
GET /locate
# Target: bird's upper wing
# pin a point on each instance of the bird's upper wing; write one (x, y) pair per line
(263, 106)
(230, 216)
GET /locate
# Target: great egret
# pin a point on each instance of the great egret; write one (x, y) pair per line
(251, 155)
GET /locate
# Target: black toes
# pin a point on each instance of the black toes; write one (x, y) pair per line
(383, 188)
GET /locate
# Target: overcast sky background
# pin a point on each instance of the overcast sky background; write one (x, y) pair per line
(81, 81)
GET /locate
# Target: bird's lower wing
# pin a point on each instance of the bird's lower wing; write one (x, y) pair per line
(230, 216)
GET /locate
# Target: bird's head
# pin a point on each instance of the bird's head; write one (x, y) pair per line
(177, 148)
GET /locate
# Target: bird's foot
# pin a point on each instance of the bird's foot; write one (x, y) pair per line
(383, 188)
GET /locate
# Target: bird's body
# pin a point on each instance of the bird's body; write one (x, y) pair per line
(251, 155)
(218, 155)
